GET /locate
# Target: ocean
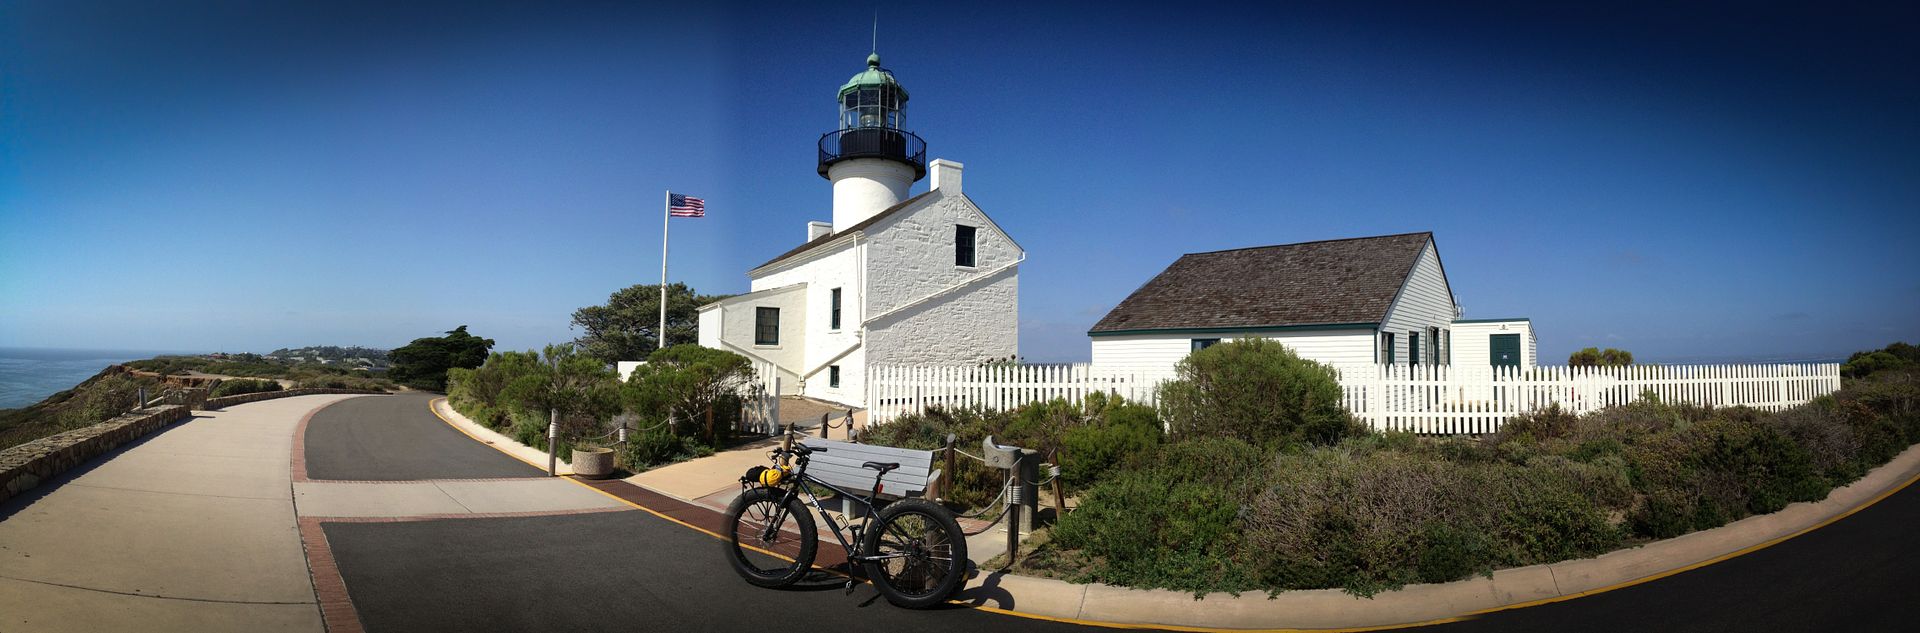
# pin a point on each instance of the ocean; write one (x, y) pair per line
(29, 375)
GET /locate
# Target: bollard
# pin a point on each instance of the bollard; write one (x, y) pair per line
(849, 425)
(1013, 519)
(553, 433)
(823, 425)
(1027, 473)
(142, 404)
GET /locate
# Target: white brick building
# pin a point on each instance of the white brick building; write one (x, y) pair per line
(894, 280)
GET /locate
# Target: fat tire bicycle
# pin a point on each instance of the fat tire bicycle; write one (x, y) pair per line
(912, 549)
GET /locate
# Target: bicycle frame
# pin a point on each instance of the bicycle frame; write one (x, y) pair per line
(804, 482)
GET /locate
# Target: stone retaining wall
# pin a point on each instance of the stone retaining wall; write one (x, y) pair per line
(25, 466)
(228, 401)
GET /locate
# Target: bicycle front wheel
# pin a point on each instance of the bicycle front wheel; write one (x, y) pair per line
(770, 543)
(917, 556)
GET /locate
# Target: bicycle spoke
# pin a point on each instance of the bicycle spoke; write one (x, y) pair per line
(914, 554)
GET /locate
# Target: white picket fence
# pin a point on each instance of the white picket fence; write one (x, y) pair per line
(1474, 400)
(1428, 399)
(895, 390)
(760, 400)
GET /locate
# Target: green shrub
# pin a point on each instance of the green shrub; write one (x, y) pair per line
(341, 382)
(1257, 391)
(1089, 452)
(658, 446)
(1451, 552)
(1377, 511)
(237, 387)
(1897, 356)
(1172, 522)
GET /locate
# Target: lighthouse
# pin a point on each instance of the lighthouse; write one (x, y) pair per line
(892, 283)
(871, 158)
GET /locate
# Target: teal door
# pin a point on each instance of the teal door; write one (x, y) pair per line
(1504, 349)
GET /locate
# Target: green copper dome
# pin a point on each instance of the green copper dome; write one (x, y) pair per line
(873, 76)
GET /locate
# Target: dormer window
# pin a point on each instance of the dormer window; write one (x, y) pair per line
(963, 245)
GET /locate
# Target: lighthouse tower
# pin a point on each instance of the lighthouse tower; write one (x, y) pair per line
(871, 159)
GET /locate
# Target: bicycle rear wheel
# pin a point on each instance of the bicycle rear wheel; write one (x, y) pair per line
(759, 548)
(918, 556)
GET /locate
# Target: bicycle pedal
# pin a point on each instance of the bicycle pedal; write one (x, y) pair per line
(849, 587)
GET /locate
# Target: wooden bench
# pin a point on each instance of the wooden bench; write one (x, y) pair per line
(840, 465)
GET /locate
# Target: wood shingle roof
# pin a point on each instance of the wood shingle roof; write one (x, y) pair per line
(1312, 283)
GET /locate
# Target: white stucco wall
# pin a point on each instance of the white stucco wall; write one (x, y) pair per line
(737, 317)
(910, 257)
(1471, 342)
(1425, 302)
(827, 268)
(710, 324)
(1162, 351)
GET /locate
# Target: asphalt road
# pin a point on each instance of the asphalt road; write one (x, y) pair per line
(397, 438)
(631, 571)
(625, 571)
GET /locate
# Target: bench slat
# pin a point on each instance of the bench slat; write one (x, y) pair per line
(840, 465)
(861, 479)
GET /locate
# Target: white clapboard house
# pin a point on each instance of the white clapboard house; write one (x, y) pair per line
(928, 279)
(1370, 300)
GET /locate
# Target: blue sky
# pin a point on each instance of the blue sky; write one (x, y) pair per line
(1699, 182)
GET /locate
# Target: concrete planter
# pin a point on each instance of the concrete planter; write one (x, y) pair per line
(593, 463)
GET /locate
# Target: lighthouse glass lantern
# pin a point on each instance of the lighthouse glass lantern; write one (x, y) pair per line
(872, 124)
(872, 99)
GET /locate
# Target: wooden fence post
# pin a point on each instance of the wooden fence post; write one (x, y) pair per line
(950, 470)
(1059, 492)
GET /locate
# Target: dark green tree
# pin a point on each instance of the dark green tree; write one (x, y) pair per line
(423, 364)
(1867, 363)
(626, 328)
(1596, 357)
(684, 381)
(582, 390)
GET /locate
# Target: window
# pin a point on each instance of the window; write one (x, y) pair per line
(1413, 348)
(833, 376)
(1433, 346)
(833, 322)
(766, 326)
(1386, 348)
(1203, 343)
(963, 245)
(1446, 346)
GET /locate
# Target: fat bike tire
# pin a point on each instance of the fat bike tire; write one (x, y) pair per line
(748, 539)
(918, 553)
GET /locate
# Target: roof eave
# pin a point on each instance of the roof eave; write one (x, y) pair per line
(1303, 327)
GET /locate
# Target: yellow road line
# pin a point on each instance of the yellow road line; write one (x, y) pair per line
(1202, 629)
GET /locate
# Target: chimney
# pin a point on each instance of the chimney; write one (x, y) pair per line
(816, 229)
(946, 175)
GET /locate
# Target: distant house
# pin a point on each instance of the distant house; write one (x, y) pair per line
(1499, 342)
(1357, 301)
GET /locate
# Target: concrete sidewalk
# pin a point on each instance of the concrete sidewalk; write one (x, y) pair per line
(189, 529)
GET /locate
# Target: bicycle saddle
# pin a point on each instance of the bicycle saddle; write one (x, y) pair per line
(883, 467)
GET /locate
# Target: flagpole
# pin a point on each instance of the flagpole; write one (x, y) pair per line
(665, 214)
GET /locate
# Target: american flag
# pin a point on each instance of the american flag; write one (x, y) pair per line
(685, 206)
